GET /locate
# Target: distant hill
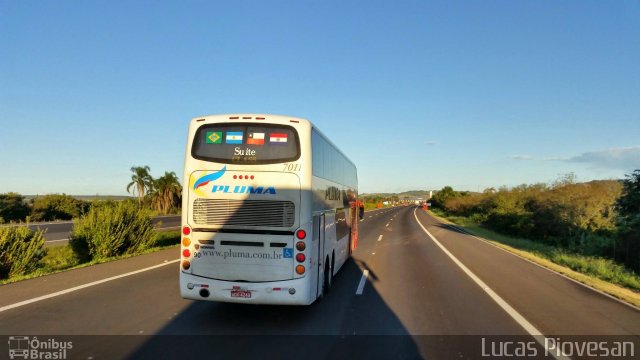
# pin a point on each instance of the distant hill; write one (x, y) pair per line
(89, 197)
(411, 194)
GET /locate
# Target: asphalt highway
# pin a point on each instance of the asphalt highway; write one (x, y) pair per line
(432, 291)
(57, 233)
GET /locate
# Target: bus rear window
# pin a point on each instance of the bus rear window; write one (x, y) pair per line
(246, 144)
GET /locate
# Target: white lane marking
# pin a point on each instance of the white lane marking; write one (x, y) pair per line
(387, 225)
(373, 253)
(71, 222)
(57, 240)
(363, 280)
(84, 286)
(515, 315)
(379, 237)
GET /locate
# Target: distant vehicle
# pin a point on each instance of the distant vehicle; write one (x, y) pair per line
(269, 210)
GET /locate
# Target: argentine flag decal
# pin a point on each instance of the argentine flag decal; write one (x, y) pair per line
(234, 137)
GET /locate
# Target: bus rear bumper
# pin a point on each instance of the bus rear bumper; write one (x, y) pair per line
(288, 292)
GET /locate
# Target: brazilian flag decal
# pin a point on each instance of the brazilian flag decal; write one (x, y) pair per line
(214, 137)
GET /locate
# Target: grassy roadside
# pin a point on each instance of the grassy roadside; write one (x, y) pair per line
(61, 258)
(601, 274)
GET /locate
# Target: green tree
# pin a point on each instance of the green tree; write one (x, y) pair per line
(628, 220)
(57, 207)
(165, 193)
(141, 181)
(13, 207)
(441, 197)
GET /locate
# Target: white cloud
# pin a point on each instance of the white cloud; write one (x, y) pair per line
(430, 142)
(521, 157)
(625, 158)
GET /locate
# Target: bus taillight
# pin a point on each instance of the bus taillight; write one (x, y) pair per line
(300, 269)
(186, 253)
(186, 230)
(301, 234)
(186, 241)
(300, 246)
(186, 264)
(300, 257)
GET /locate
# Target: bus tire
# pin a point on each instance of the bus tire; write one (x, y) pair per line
(329, 275)
(326, 280)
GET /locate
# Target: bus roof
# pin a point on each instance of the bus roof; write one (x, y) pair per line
(278, 119)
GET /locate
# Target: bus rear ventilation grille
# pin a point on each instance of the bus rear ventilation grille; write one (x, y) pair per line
(254, 213)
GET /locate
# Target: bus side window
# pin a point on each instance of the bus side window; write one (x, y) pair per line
(342, 227)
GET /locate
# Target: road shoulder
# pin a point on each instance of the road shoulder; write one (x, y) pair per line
(626, 296)
(32, 288)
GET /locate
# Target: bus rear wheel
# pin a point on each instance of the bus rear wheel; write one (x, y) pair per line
(326, 280)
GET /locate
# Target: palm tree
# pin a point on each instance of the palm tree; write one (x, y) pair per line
(166, 192)
(142, 181)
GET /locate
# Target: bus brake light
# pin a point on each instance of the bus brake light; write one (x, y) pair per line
(186, 230)
(186, 253)
(301, 234)
(300, 257)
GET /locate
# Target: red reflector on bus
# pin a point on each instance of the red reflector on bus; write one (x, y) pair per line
(259, 118)
(186, 230)
(301, 234)
(300, 257)
(234, 117)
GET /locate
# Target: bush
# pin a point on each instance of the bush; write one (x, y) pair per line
(57, 207)
(21, 250)
(111, 230)
(13, 207)
(578, 217)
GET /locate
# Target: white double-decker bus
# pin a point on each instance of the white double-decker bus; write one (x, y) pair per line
(268, 210)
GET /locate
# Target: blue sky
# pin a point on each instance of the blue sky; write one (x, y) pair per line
(418, 94)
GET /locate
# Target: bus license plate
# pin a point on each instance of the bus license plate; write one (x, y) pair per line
(241, 294)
